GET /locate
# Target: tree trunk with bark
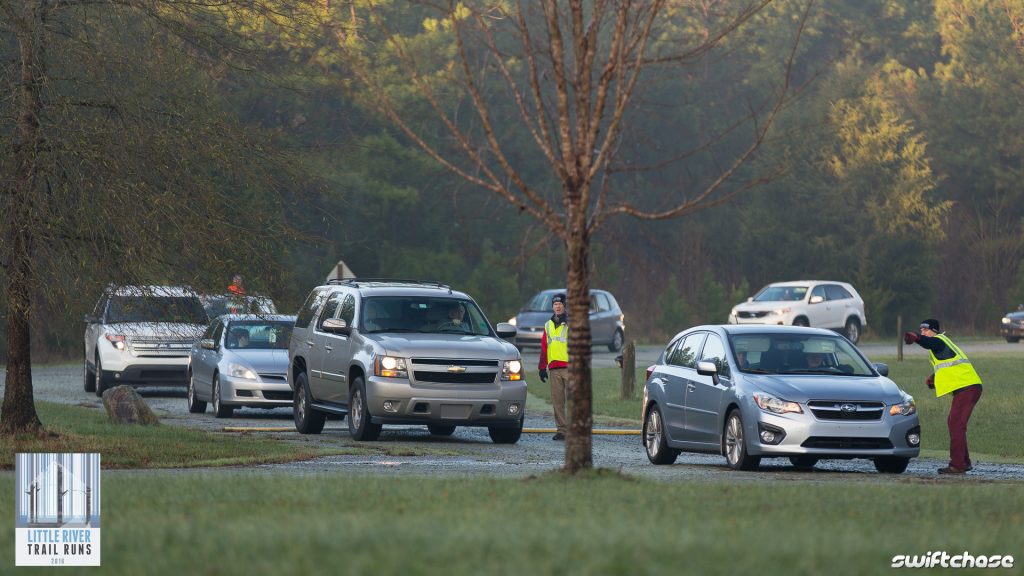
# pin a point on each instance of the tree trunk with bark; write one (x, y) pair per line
(578, 449)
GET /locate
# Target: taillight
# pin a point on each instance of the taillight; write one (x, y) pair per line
(650, 370)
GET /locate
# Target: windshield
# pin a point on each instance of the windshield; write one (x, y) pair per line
(539, 303)
(798, 354)
(231, 304)
(258, 335)
(423, 314)
(181, 309)
(781, 294)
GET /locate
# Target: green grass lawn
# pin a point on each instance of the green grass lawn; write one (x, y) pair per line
(232, 523)
(994, 433)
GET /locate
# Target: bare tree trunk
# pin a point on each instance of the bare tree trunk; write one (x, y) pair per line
(18, 413)
(578, 453)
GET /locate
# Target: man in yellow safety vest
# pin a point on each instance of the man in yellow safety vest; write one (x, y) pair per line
(554, 360)
(954, 373)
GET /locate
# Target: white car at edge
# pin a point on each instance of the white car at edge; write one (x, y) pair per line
(815, 303)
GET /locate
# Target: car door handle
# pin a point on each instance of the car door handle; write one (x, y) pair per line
(328, 348)
(310, 343)
(691, 387)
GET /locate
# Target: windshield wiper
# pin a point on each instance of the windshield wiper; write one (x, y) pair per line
(755, 371)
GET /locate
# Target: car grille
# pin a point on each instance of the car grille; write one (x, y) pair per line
(153, 348)
(847, 443)
(832, 410)
(275, 395)
(751, 314)
(456, 371)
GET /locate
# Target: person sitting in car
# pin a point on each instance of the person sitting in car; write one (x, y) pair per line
(454, 322)
(238, 338)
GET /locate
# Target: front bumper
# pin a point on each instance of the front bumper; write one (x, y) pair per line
(770, 319)
(806, 435)
(163, 374)
(451, 404)
(1011, 331)
(242, 392)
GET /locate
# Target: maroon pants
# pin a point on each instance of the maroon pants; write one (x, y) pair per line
(964, 400)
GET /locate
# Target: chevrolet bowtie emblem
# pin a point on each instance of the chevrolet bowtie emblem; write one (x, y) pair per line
(456, 369)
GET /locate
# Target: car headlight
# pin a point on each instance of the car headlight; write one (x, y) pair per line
(512, 320)
(390, 367)
(781, 311)
(117, 341)
(512, 370)
(903, 408)
(240, 371)
(1006, 320)
(773, 404)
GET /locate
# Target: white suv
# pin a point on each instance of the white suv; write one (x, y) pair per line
(815, 303)
(141, 335)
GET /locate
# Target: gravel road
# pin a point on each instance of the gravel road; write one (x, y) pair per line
(470, 451)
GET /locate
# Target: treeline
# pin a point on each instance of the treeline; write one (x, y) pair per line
(896, 167)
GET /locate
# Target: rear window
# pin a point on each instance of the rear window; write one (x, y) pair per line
(184, 309)
(309, 308)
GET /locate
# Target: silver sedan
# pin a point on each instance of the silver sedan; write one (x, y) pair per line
(753, 392)
(241, 360)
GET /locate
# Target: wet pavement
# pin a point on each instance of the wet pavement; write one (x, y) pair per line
(470, 452)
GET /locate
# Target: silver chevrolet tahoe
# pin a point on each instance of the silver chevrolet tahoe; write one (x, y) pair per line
(403, 352)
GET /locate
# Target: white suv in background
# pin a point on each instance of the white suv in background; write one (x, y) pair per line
(141, 335)
(816, 303)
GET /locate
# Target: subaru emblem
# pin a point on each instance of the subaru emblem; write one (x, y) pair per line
(848, 407)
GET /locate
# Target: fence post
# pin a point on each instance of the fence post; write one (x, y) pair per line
(899, 338)
(628, 385)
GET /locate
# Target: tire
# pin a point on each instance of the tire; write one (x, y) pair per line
(441, 429)
(195, 405)
(307, 420)
(359, 425)
(617, 341)
(852, 330)
(1013, 339)
(655, 443)
(90, 379)
(891, 464)
(101, 383)
(220, 409)
(734, 444)
(801, 321)
(506, 435)
(803, 462)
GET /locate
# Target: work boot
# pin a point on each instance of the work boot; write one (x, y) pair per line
(952, 470)
(558, 436)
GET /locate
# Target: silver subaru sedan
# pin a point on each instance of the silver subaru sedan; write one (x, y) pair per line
(753, 392)
(241, 360)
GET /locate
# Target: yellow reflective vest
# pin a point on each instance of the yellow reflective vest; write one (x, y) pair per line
(953, 373)
(558, 341)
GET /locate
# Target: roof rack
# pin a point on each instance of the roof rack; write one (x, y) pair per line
(354, 282)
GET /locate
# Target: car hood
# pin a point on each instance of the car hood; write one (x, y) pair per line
(766, 306)
(157, 330)
(532, 319)
(262, 361)
(810, 387)
(1015, 315)
(445, 346)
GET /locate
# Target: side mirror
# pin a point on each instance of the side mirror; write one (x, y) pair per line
(337, 326)
(883, 369)
(505, 330)
(91, 319)
(817, 299)
(208, 344)
(750, 298)
(707, 368)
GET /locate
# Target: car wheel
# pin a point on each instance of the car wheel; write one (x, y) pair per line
(801, 321)
(658, 451)
(616, 343)
(195, 405)
(506, 435)
(101, 382)
(852, 332)
(1012, 340)
(359, 425)
(735, 444)
(441, 429)
(803, 462)
(891, 464)
(307, 420)
(220, 409)
(90, 379)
